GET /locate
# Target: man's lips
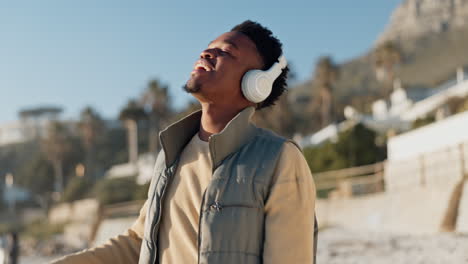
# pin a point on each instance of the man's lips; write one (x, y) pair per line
(203, 65)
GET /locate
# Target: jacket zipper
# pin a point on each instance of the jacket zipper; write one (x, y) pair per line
(217, 206)
(199, 224)
(153, 233)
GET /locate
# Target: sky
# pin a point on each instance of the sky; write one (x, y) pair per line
(102, 53)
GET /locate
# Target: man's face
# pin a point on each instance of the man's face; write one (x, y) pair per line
(217, 75)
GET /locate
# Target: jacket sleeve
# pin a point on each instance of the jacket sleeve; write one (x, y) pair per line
(124, 248)
(290, 211)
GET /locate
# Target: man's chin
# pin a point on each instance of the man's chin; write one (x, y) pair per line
(190, 87)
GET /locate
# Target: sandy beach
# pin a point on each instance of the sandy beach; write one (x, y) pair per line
(341, 246)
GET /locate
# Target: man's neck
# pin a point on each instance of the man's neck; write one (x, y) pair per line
(214, 118)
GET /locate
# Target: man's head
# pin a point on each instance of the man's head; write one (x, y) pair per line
(218, 73)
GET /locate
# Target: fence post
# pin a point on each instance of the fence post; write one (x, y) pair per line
(379, 169)
(422, 170)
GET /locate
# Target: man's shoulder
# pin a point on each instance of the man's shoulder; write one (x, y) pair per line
(292, 165)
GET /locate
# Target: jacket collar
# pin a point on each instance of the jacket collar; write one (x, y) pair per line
(235, 134)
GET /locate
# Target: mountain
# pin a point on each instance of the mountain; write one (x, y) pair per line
(415, 18)
(432, 36)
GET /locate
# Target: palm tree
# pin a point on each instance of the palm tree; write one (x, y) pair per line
(56, 145)
(91, 129)
(157, 100)
(130, 115)
(326, 73)
(386, 58)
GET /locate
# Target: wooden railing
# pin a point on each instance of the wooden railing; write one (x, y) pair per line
(351, 181)
(444, 168)
(131, 208)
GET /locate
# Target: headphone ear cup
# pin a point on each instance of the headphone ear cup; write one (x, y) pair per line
(256, 85)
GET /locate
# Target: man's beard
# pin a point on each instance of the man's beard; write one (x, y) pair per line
(191, 87)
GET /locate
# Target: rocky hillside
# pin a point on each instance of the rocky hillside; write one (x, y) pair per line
(431, 54)
(415, 18)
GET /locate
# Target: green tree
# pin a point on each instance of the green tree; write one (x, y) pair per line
(56, 146)
(77, 189)
(423, 121)
(113, 148)
(157, 100)
(91, 129)
(323, 158)
(37, 176)
(354, 147)
(109, 191)
(357, 146)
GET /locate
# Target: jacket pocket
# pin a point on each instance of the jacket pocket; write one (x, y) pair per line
(232, 228)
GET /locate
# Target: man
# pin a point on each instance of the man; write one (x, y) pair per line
(223, 190)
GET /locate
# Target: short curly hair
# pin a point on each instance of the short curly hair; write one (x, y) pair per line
(270, 49)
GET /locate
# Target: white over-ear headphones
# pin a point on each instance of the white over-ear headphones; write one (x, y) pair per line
(257, 84)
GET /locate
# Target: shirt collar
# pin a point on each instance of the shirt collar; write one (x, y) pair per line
(235, 134)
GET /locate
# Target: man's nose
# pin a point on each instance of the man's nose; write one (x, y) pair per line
(208, 54)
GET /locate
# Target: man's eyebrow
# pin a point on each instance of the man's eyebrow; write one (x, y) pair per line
(227, 42)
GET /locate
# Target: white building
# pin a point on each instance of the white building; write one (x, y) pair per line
(398, 112)
(407, 105)
(328, 133)
(22, 130)
(12, 132)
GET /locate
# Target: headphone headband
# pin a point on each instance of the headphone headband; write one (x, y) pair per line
(282, 62)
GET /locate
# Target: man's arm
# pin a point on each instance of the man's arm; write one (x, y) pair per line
(123, 249)
(289, 211)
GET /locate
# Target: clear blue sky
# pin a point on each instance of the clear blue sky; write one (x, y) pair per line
(101, 53)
